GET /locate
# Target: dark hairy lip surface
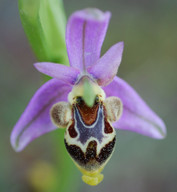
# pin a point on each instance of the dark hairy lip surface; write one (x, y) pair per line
(90, 157)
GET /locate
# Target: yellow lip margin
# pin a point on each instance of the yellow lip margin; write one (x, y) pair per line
(92, 177)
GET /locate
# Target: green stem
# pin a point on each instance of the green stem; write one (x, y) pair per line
(44, 24)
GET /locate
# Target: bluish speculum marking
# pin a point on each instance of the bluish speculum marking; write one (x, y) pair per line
(94, 130)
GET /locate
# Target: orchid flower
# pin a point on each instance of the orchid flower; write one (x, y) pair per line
(87, 99)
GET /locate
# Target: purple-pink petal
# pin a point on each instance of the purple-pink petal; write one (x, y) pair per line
(85, 34)
(137, 115)
(105, 69)
(61, 72)
(35, 121)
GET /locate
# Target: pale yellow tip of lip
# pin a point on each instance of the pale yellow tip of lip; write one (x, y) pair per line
(93, 180)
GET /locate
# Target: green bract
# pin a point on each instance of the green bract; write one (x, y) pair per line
(44, 24)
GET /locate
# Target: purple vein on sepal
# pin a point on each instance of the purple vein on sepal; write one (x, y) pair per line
(83, 45)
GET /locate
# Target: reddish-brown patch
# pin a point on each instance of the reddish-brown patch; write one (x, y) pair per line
(72, 131)
(88, 114)
(108, 128)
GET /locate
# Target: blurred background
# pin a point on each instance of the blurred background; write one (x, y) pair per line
(139, 164)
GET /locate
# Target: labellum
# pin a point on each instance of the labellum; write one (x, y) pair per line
(89, 137)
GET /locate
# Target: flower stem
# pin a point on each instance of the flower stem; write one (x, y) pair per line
(44, 24)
